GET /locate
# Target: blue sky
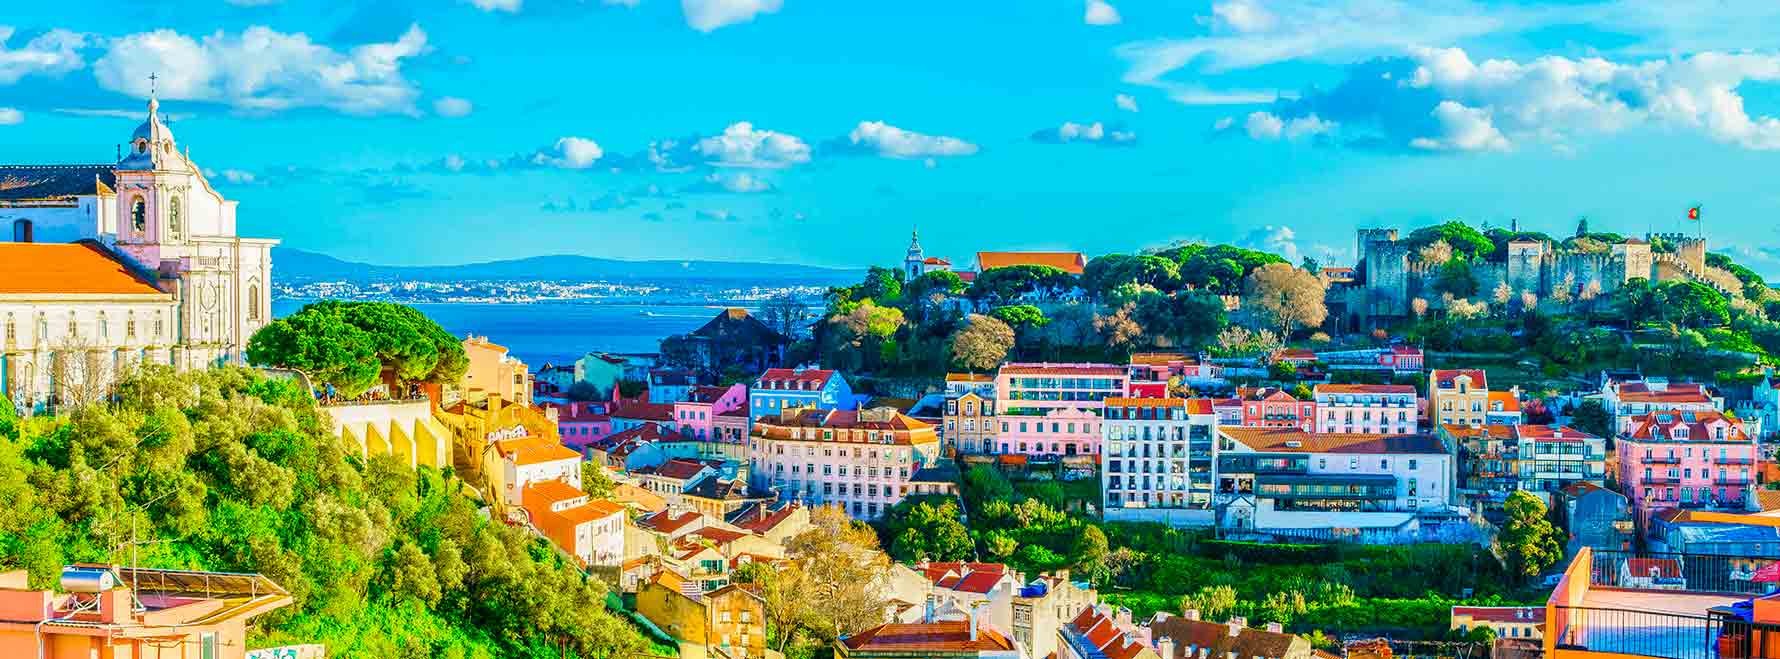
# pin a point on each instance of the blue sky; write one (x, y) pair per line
(441, 131)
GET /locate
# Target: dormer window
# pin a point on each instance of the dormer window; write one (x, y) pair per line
(141, 146)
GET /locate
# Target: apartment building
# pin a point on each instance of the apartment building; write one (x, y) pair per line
(1278, 478)
(1054, 410)
(1373, 409)
(1628, 401)
(968, 423)
(863, 460)
(1553, 457)
(1458, 396)
(1158, 460)
(1685, 459)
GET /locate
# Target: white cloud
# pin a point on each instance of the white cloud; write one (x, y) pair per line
(742, 183)
(261, 69)
(892, 142)
(1224, 124)
(1462, 129)
(567, 153)
(235, 176)
(11, 117)
(708, 15)
(1486, 105)
(508, 6)
(1126, 102)
(741, 145)
(1268, 126)
(454, 162)
(52, 53)
(1100, 13)
(1096, 132)
(452, 106)
(1244, 15)
(1281, 240)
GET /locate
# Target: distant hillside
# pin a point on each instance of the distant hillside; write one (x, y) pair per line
(295, 265)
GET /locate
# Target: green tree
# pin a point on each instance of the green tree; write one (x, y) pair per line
(1212, 602)
(1000, 286)
(1455, 279)
(1465, 241)
(595, 481)
(928, 528)
(1637, 300)
(1291, 297)
(1591, 417)
(982, 343)
(350, 344)
(1089, 554)
(1020, 316)
(1693, 304)
(1529, 541)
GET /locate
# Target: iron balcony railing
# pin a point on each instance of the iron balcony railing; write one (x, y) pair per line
(1696, 573)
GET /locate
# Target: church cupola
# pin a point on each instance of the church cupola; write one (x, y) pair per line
(151, 144)
(912, 264)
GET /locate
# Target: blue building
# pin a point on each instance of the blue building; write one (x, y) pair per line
(783, 388)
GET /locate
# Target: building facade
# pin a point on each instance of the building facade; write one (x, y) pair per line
(1159, 457)
(1366, 408)
(1458, 396)
(780, 389)
(161, 275)
(1054, 410)
(1685, 460)
(1289, 479)
(492, 371)
(861, 460)
(1553, 457)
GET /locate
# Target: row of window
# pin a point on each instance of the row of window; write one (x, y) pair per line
(828, 470)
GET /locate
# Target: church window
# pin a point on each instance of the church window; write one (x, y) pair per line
(139, 215)
(173, 220)
(73, 326)
(158, 326)
(253, 301)
(104, 328)
(42, 327)
(130, 325)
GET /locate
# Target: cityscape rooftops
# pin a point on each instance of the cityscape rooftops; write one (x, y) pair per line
(534, 450)
(1504, 401)
(547, 492)
(1547, 433)
(1686, 393)
(783, 379)
(1099, 631)
(882, 418)
(1293, 440)
(1687, 426)
(642, 411)
(913, 639)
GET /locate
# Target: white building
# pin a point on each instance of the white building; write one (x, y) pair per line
(527, 460)
(160, 275)
(1157, 460)
(1628, 401)
(1372, 409)
(1283, 478)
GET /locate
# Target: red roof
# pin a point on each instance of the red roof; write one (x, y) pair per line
(551, 491)
(765, 521)
(1070, 262)
(1443, 377)
(1551, 433)
(1674, 394)
(1662, 426)
(1104, 634)
(82, 268)
(814, 376)
(1507, 399)
(965, 577)
(950, 636)
(676, 468)
(643, 411)
(668, 521)
(535, 450)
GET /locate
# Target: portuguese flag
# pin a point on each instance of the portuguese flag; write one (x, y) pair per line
(1694, 213)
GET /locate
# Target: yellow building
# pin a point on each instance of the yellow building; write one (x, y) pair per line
(1458, 396)
(477, 426)
(493, 371)
(729, 621)
(970, 423)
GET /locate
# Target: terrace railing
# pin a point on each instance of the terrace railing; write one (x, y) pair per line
(1696, 573)
(1665, 635)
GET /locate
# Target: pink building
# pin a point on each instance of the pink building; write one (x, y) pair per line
(1054, 409)
(1366, 408)
(1630, 401)
(1402, 359)
(1274, 408)
(1685, 459)
(580, 424)
(696, 416)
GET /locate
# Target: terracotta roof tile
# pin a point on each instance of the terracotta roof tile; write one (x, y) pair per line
(928, 637)
(82, 268)
(1070, 262)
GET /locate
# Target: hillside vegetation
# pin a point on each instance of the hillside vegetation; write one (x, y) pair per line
(228, 470)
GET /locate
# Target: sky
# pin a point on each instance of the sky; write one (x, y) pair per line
(448, 131)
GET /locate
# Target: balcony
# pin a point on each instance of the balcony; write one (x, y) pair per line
(1735, 481)
(1662, 459)
(1672, 606)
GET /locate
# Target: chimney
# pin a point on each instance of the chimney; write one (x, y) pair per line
(1276, 628)
(494, 405)
(21, 231)
(1236, 623)
(1190, 614)
(974, 615)
(1165, 647)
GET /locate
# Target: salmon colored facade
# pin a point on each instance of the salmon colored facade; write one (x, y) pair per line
(185, 614)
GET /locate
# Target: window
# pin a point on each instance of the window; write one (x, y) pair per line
(139, 215)
(207, 645)
(174, 225)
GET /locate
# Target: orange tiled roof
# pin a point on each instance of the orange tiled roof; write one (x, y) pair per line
(1507, 399)
(951, 636)
(551, 491)
(1070, 262)
(535, 450)
(67, 269)
(1443, 377)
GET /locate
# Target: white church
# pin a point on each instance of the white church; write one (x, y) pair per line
(158, 276)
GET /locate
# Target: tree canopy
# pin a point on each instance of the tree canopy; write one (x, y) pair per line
(1528, 540)
(227, 470)
(1464, 240)
(352, 345)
